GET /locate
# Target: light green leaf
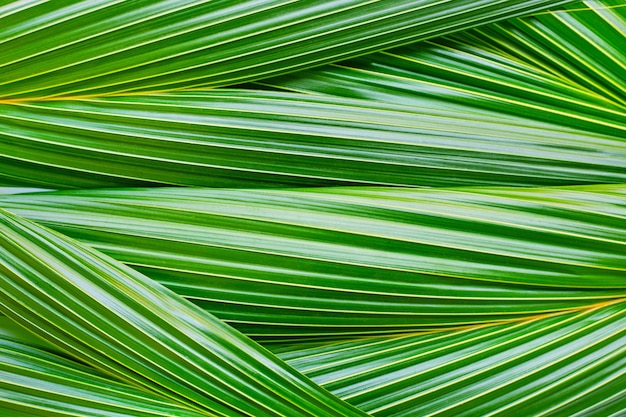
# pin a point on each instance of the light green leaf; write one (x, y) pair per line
(121, 322)
(357, 260)
(77, 47)
(239, 138)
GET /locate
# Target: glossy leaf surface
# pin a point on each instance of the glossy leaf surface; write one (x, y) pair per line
(97, 47)
(562, 67)
(480, 300)
(563, 365)
(244, 138)
(357, 260)
(40, 383)
(554, 365)
(117, 320)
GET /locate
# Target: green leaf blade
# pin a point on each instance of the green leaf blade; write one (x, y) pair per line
(104, 47)
(252, 139)
(340, 261)
(556, 365)
(41, 382)
(563, 67)
(118, 320)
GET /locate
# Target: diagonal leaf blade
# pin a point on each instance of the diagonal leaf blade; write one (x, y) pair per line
(125, 324)
(564, 67)
(101, 47)
(560, 365)
(43, 383)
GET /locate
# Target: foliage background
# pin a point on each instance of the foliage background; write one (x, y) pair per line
(306, 208)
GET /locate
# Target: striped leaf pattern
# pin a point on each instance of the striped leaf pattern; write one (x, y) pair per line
(560, 365)
(117, 320)
(281, 208)
(564, 68)
(317, 262)
(38, 382)
(246, 138)
(145, 45)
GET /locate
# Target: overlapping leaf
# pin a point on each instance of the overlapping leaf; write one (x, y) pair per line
(35, 382)
(251, 138)
(80, 47)
(355, 260)
(563, 67)
(563, 365)
(243, 138)
(117, 320)
(535, 101)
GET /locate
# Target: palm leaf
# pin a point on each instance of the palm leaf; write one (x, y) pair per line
(518, 294)
(564, 364)
(341, 261)
(38, 379)
(559, 365)
(11, 331)
(562, 67)
(117, 320)
(584, 46)
(243, 138)
(36, 382)
(101, 47)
